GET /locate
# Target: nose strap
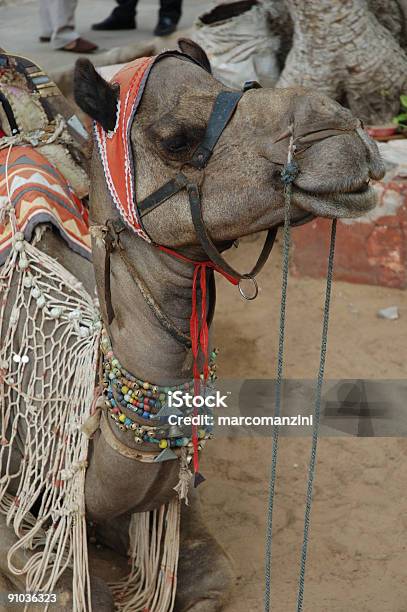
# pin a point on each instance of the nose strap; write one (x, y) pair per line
(210, 249)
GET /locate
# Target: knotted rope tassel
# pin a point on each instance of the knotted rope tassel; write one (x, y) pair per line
(199, 340)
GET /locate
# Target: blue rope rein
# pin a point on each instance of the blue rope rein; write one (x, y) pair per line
(288, 175)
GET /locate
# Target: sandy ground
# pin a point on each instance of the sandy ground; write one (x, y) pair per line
(357, 555)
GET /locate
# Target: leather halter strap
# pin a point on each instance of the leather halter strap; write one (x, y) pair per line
(223, 108)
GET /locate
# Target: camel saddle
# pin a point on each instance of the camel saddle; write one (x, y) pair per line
(44, 149)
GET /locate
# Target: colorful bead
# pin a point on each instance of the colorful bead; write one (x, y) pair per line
(143, 400)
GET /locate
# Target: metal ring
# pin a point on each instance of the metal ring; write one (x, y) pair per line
(256, 287)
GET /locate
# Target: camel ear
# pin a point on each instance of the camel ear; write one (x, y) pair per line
(95, 96)
(191, 48)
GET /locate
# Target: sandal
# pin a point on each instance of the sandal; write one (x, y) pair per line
(80, 45)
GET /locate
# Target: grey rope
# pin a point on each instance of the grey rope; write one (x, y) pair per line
(317, 415)
(288, 175)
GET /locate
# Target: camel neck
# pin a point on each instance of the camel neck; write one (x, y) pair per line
(139, 340)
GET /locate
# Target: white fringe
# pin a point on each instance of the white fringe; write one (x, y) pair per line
(154, 546)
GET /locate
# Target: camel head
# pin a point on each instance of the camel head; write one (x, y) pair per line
(241, 186)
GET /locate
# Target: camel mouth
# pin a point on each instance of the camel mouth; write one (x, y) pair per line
(355, 202)
(305, 218)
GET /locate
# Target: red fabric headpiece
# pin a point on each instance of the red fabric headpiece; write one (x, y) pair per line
(115, 147)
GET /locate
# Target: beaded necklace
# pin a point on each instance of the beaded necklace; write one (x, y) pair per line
(148, 406)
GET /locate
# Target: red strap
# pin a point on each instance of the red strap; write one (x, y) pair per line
(199, 340)
(208, 263)
(199, 331)
(194, 329)
(204, 335)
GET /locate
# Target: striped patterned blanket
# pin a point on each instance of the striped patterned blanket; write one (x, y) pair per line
(40, 194)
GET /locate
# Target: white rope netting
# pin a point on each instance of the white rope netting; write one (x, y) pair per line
(49, 347)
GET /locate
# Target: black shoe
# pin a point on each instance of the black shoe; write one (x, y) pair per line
(113, 23)
(165, 27)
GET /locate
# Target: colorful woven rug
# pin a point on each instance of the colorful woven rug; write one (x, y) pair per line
(40, 194)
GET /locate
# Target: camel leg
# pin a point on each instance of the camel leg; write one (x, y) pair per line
(5, 588)
(204, 570)
(205, 573)
(102, 600)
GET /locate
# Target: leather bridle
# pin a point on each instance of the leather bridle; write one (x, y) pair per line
(223, 109)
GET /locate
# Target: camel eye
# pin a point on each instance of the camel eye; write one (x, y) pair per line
(177, 144)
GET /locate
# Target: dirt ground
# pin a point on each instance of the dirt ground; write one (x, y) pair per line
(357, 555)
